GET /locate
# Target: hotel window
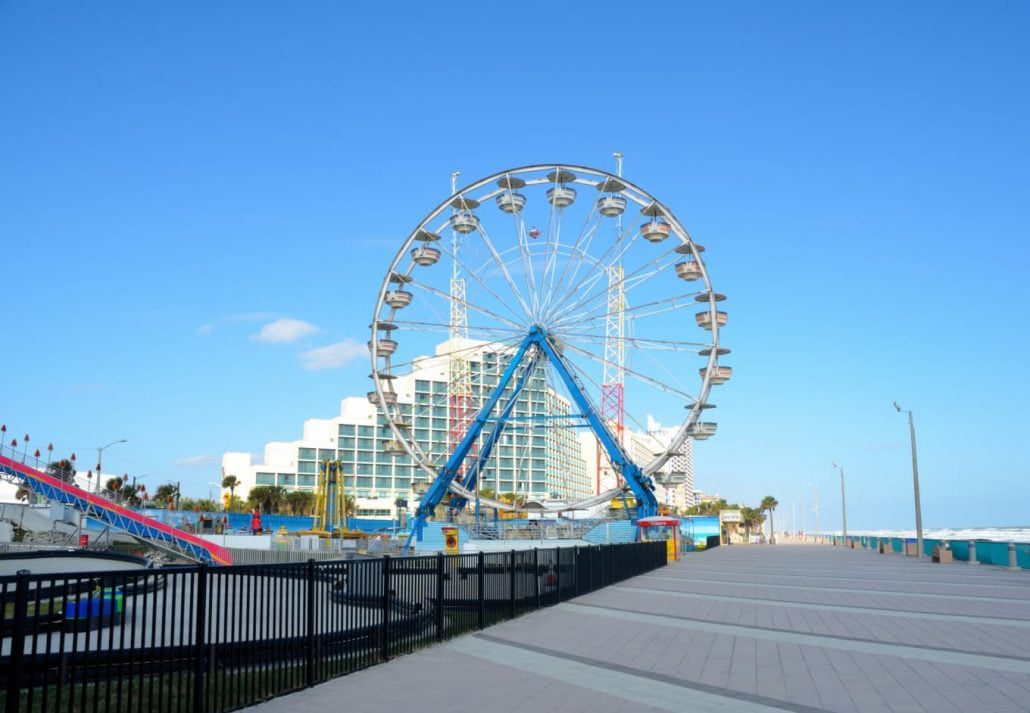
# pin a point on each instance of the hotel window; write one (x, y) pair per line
(306, 454)
(306, 466)
(265, 478)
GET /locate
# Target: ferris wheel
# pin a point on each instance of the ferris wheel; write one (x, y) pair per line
(531, 314)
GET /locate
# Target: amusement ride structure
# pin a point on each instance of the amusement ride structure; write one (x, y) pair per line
(78, 493)
(574, 276)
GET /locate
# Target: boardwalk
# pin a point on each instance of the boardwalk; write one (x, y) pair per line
(759, 628)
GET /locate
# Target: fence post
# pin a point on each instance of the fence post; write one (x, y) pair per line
(511, 586)
(200, 626)
(481, 583)
(21, 612)
(575, 570)
(588, 571)
(384, 648)
(438, 614)
(1012, 556)
(311, 622)
(536, 575)
(972, 552)
(557, 571)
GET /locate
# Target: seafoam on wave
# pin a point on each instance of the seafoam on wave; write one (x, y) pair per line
(996, 534)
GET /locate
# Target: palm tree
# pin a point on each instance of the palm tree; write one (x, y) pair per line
(130, 494)
(266, 498)
(769, 503)
(113, 485)
(300, 502)
(62, 470)
(231, 482)
(749, 517)
(165, 494)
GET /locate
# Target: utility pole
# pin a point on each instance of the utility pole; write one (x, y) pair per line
(915, 480)
(843, 506)
(815, 507)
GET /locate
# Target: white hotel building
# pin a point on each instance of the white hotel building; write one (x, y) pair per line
(540, 463)
(551, 463)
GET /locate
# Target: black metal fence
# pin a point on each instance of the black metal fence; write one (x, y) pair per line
(221, 638)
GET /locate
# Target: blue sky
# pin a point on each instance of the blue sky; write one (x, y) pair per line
(175, 178)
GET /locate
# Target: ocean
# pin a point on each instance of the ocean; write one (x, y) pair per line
(994, 534)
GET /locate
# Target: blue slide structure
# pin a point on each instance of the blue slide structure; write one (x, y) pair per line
(97, 507)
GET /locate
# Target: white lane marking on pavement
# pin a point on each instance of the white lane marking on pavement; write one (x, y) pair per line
(828, 607)
(1020, 585)
(826, 642)
(878, 592)
(636, 689)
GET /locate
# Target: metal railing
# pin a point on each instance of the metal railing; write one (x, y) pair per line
(215, 639)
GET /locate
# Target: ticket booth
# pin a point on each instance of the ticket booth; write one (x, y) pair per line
(661, 529)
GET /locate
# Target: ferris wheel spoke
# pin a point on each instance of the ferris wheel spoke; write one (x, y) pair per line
(446, 325)
(461, 351)
(628, 416)
(465, 269)
(670, 377)
(639, 342)
(632, 372)
(580, 250)
(599, 296)
(483, 332)
(504, 269)
(483, 310)
(586, 232)
(525, 256)
(590, 279)
(587, 321)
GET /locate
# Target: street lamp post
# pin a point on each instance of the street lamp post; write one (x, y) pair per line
(815, 507)
(843, 507)
(100, 460)
(915, 480)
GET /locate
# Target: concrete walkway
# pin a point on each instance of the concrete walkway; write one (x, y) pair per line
(744, 628)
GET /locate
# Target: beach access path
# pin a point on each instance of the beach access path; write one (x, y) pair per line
(734, 629)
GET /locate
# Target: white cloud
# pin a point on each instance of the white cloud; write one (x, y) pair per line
(284, 331)
(333, 356)
(205, 329)
(195, 461)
